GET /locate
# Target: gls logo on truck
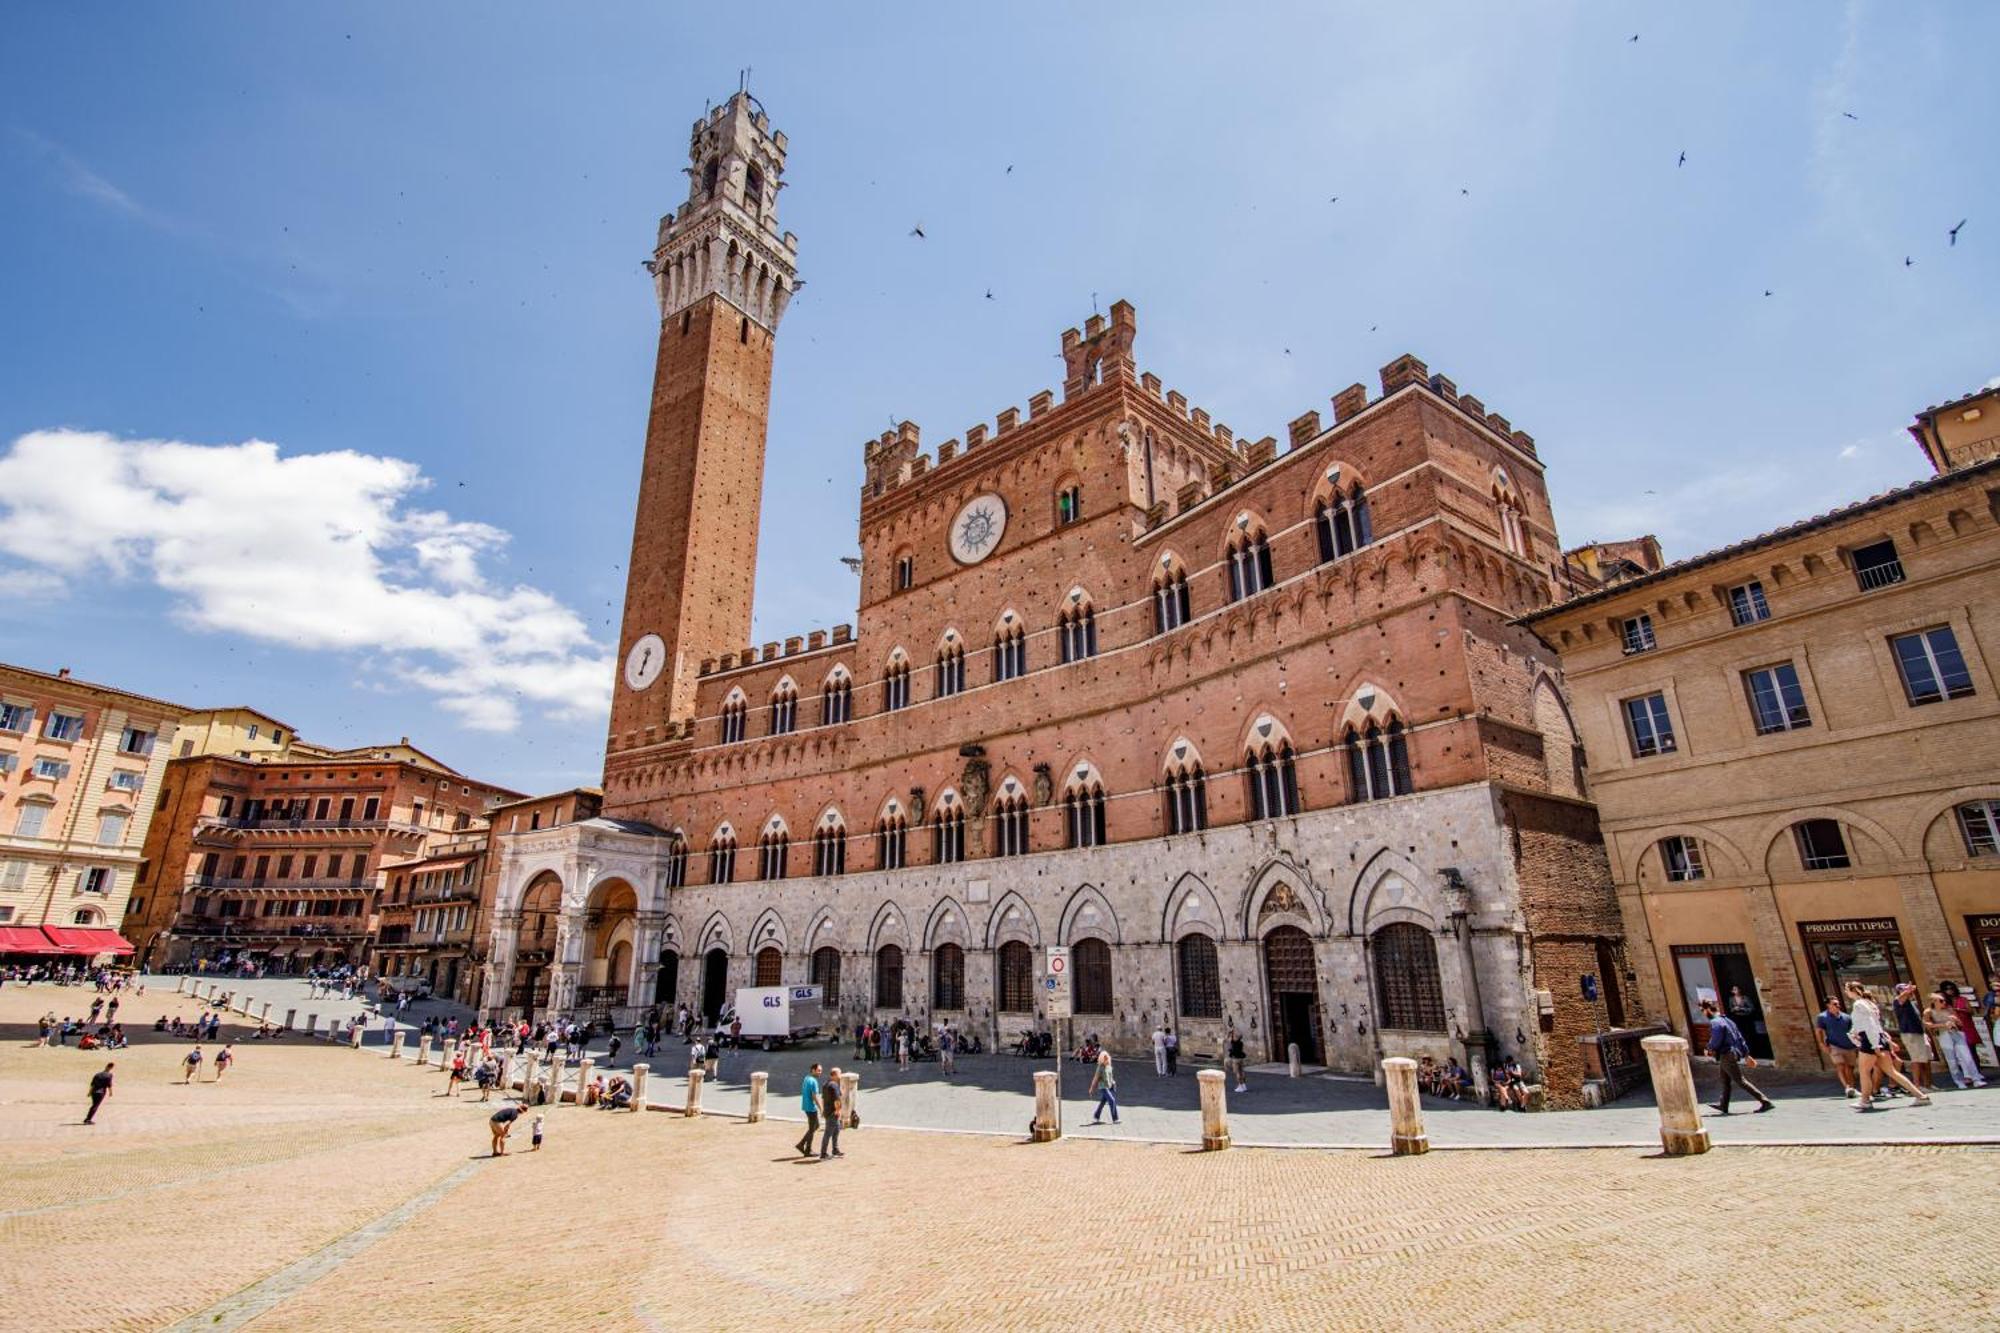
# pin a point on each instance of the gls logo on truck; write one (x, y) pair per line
(773, 1002)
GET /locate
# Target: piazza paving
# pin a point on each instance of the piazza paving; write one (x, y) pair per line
(320, 1187)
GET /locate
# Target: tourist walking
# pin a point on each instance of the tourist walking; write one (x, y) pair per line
(1834, 1028)
(1104, 1083)
(1235, 1059)
(100, 1088)
(223, 1059)
(948, 1051)
(1963, 1008)
(191, 1065)
(1731, 1051)
(1873, 1056)
(809, 1103)
(903, 1048)
(1159, 1052)
(1173, 1053)
(1942, 1020)
(832, 1099)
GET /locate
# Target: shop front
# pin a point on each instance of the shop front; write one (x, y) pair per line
(1864, 949)
(1722, 973)
(1984, 931)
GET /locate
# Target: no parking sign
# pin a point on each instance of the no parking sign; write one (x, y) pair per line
(1055, 986)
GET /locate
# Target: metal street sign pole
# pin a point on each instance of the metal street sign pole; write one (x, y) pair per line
(1056, 988)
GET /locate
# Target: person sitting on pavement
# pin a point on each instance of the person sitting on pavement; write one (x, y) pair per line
(618, 1095)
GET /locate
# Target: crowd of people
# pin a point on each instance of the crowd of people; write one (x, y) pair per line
(1876, 1061)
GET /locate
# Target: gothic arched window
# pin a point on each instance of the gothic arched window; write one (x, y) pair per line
(892, 840)
(950, 667)
(1092, 959)
(1187, 797)
(1249, 563)
(1407, 994)
(889, 977)
(1170, 600)
(734, 710)
(1378, 761)
(784, 709)
(1272, 779)
(826, 973)
(1015, 979)
(948, 977)
(948, 831)
(677, 861)
(836, 698)
(830, 847)
(1200, 977)
(1083, 812)
(722, 857)
(896, 685)
(1342, 522)
(773, 853)
(1078, 625)
(1010, 824)
(1010, 651)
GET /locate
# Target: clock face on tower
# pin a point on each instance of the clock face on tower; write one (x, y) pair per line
(645, 662)
(976, 531)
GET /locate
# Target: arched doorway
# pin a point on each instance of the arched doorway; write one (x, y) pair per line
(714, 982)
(668, 983)
(1293, 983)
(534, 950)
(770, 966)
(609, 922)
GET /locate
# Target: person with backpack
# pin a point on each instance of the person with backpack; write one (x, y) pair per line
(1726, 1044)
(191, 1065)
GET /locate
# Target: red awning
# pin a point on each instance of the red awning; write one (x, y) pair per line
(87, 940)
(24, 939)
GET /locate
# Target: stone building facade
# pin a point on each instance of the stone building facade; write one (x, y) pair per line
(1795, 751)
(1253, 729)
(80, 773)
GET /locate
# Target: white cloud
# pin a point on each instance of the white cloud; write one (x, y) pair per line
(30, 585)
(1993, 383)
(1851, 451)
(315, 551)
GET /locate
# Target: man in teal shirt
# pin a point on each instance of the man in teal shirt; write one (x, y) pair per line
(809, 1101)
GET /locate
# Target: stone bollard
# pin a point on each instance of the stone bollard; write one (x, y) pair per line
(851, 1084)
(312, 1024)
(396, 1044)
(291, 1016)
(759, 1083)
(423, 1048)
(558, 1066)
(1214, 1108)
(583, 1068)
(180, 986)
(693, 1107)
(1681, 1132)
(639, 1072)
(501, 1077)
(354, 1036)
(529, 1073)
(1406, 1111)
(450, 1050)
(1298, 1065)
(1046, 1128)
(264, 1012)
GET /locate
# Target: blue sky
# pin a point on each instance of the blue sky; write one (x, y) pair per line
(328, 350)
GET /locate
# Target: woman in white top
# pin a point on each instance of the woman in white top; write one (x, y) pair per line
(1872, 1052)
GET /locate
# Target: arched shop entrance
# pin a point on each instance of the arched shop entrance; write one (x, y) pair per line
(1293, 983)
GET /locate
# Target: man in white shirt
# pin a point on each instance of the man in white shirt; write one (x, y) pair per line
(1160, 1051)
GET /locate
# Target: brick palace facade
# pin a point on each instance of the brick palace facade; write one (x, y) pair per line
(1253, 729)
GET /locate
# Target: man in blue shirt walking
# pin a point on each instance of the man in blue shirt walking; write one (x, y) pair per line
(809, 1102)
(1726, 1044)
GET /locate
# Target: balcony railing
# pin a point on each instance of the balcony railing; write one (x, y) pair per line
(250, 930)
(1879, 575)
(283, 823)
(201, 881)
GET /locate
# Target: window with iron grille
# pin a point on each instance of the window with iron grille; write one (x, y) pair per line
(1681, 855)
(1822, 844)
(1931, 665)
(889, 977)
(1200, 977)
(1092, 961)
(1777, 702)
(826, 973)
(948, 977)
(1648, 727)
(1016, 978)
(770, 966)
(1406, 979)
(1877, 566)
(1747, 605)
(1979, 821)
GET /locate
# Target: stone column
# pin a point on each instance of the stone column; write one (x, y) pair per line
(424, 1048)
(646, 930)
(180, 986)
(530, 1075)
(1681, 1132)
(312, 1024)
(693, 1107)
(557, 1064)
(583, 1068)
(1298, 1067)
(850, 1082)
(502, 1075)
(759, 1084)
(264, 1012)
(500, 960)
(1406, 1112)
(639, 1072)
(1047, 1127)
(1214, 1107)
(291, 1015)
(396, 1044)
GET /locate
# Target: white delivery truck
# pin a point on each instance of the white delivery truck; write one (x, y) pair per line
(774, 1015)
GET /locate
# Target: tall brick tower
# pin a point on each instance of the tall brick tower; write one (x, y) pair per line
(723, 273)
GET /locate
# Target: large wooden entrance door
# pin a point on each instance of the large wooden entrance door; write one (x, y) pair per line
(667, 984)
(1293, 982)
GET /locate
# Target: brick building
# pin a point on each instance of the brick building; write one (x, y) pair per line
(1794, 747)
(1253, 729)
(283, 860)
(80, 771)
